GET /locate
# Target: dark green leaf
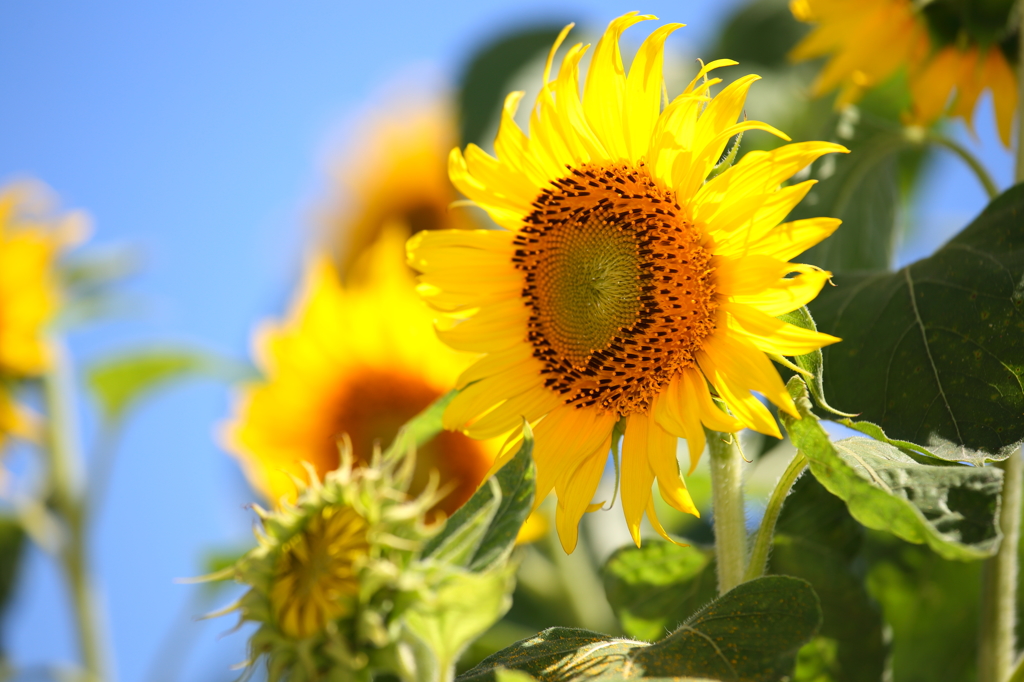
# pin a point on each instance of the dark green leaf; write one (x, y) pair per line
(517, 482)
(953, 509)
(122, 380)
(851, 630)
(813, 513)
(933, 353)
(557, 655)
(931, 606)
(655, 587)
(752, 633)
(489, 73)
(482, 532)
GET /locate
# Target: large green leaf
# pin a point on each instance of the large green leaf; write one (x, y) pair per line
(953, 509)
(818, 540)
(120, 381)
(750, 634)
(489, 73)
(932, 607)
(482, 532)
(933, 353)
(654, 587)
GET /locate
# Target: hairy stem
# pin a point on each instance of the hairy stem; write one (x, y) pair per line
(727, 503)
(972, 162)
(996, 645)
(765, 534)
(68, 501)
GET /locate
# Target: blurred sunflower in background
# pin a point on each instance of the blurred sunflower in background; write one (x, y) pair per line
(397, 174)
(32, 239)
(359, 360)
(952, 52)
(625, 279)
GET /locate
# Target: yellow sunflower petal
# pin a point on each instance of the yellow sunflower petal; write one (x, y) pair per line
(772, 335)
(637, 475)
(643, 91)
(562, 439)
(575, 490)
(749, 367)
(605, 88)
(679, 414)
(744, 405)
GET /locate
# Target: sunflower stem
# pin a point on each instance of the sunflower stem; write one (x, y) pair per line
(727, 504)
(68, 501)
(996, 641)
(972, 161)
(765, 534)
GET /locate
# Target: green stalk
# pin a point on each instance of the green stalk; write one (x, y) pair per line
(763, 540)
(727, 505)
(68, 501)
(996, 645)
(979, 170)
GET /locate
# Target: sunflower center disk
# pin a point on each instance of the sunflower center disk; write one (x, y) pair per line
(619, 286)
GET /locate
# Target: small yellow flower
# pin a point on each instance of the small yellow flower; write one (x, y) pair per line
(867, 41)
(396, 175)
(359, 361)
(624, 281)
(31, 241)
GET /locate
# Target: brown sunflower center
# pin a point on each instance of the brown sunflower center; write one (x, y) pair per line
(375, 403)
(619, 285)
(315, 579)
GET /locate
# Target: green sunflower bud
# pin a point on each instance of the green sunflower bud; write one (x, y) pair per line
(346, 583)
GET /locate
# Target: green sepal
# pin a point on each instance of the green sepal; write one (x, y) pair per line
(812, 362)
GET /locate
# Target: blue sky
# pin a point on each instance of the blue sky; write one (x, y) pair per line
(199, 132)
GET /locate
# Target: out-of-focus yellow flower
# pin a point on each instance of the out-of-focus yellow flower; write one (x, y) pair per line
(360, 361)
(625, 282)
(870, 40)
(396, 175)
(32, 238)
(31, 241)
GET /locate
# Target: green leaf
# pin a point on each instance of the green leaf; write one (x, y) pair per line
(450, 616)
(953, 509)
(931, 606)
(933, 353)
(557, 655)
(811, 362)
(852, 630)
(750, 634)
(421, 429)
(482, 532)
(818, 540)
(489, 73)
(654, 587)
(122, 380)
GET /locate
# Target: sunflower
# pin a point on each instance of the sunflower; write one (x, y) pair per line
(624, 280)
(32, 239)
(397, 174)
(360, 361)
(945, 49)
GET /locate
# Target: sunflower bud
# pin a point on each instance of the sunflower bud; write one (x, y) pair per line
(345, 582)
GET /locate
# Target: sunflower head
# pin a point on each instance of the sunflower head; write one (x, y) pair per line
(32, 239)
(396, 175)
(628, 286)
(360, 360)
(950, 51)
(332, 573)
